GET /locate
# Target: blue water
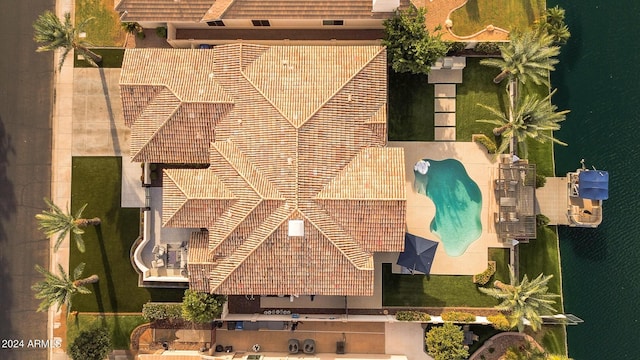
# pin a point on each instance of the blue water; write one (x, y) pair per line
(598, 79)
(458, 204)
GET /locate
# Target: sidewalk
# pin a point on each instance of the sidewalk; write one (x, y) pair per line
(61, 169)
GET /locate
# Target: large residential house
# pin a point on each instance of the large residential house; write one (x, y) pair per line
(296, 189)
(196, 22)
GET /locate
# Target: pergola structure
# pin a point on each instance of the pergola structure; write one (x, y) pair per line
(515, 193)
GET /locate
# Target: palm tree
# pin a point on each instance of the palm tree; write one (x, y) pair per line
(58, 290)
(55, 34)
(132, 28)
(528, 56)
(555, 26)
(531, 118)
(55, 221)
(524, 299)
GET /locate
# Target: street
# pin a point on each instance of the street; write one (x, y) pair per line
(26, 95)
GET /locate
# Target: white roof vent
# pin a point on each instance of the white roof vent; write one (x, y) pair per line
(296, 228)
(385, 5)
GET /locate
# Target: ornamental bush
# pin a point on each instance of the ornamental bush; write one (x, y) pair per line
(445, 343)
(487, 142)
(94, 344)
(484, 277)
(499, 322)
(540, 180)
(458, 316)
(489, 48)
(412, 316)
(162, 311)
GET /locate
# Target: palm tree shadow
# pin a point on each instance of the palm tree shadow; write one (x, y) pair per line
(107, 271)
(107, 98)
(473, 11)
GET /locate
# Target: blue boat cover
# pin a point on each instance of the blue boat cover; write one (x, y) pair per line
(594, 185)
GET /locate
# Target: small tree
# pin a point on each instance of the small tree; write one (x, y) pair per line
(94, 344)
(445, 343)
(55, 221)
(199, 307)
(410, 47)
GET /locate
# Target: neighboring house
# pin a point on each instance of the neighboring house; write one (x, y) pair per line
(300, 190)
(194, 22)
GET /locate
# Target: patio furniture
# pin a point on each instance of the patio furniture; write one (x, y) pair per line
(309, 346)
(294, 346)
(157, 263)
(340, 345)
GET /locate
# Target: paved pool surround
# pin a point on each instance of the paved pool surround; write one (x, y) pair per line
(421, 210)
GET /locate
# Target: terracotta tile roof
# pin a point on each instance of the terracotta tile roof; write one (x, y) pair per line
(172, 119)
(295, 9)
(208, 10)
(163, 10)
(286, 150)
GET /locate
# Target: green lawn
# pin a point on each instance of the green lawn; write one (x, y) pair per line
(119, 326)
(104, 29)
(501, 257)
(411, 102)
(477, 88)
(97, 181)
(111, 58)
(475, 15)
(431, 291)
(542, 256)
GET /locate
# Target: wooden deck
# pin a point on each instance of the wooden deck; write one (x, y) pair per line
(552, 200)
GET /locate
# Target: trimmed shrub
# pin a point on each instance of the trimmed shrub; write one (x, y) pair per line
(499, 322)
(161, 31)
(412, 316)
(542, 220)
(489, 48)
(458, 316)
(162, 311)
(484, 277)
(455, 47)
(94, 344)
(485, 141)
(540, 180)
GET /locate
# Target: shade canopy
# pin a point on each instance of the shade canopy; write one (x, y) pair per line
(418, 253)
(594, 185)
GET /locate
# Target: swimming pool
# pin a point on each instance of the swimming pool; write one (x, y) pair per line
(457, 199)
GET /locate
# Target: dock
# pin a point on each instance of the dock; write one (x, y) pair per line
(552, 200)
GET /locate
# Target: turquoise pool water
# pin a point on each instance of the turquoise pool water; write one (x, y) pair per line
(457, 199)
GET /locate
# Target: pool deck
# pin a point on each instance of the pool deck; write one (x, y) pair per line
(421, 210)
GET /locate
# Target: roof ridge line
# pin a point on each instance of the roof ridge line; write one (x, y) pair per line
(349, 258)
(356, 73)
(253, 167)
(164, 123)
(278, 217)
(186, 198)
(260, 91)
(228, 233)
